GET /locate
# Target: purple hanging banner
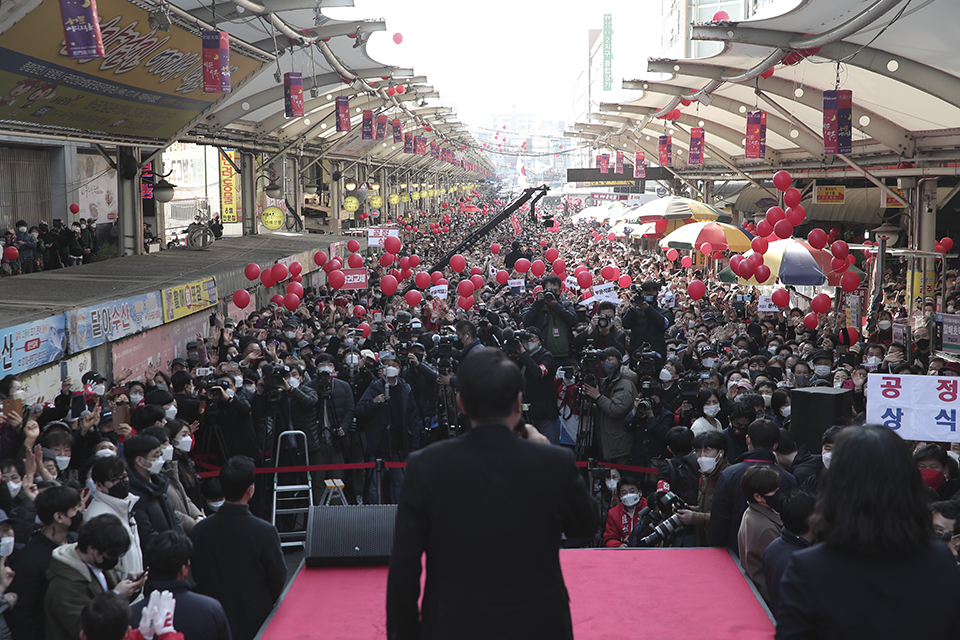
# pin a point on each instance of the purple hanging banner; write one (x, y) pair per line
(366, 132)
(293, 94)
(696, 146)
(605, 163)
(382, 128)
(343, 113)
(837, 121)
(408, 143)
(421, 144)
(756, 135)
(666, 151)
(81, 29)
(639, 169)
(434, 151)
(618, 167)
(599, 158)
(216, 62)
(397, 132)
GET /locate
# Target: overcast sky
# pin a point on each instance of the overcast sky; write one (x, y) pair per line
(485, 57)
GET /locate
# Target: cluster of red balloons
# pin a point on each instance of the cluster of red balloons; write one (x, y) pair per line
(271, 276)
(943, 245)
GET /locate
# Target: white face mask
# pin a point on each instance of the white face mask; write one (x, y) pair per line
(185, 444)
(162, 386)
(171, 413)
(352, 360)
(707, 464)
(136, 398)
(611, 484)
(14, 488)
(293, 382)
(872, 360)
(630, 500)
(711, 410)
(665, 375)
(217, 504)
(391, 372)
(104, 453)
(6, 545)
(838, 384)
(785, 411)
(531, 346)
(884, 325)
(20, 394)
(166, 454)
(822, 370)
(156, 466)
(100, 389)
(290, 335)
(238, 381)
(827, 457)
(709, 362)
(230, 392)
(326, 369)
(63, 462)
(767, 399)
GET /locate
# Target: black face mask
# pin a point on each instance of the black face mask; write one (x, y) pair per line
(740, 435)
(120, 490)
(775, 501)
(922, 344)
(107, 563)
(754, 374)
(75, 522)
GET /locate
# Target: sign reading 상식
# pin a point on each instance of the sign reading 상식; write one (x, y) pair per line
(916, 407)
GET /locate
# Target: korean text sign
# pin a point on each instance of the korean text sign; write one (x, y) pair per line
(916, 407)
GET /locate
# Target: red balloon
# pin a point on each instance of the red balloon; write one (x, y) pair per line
(266, 278)
(852, 259)
(746, 269)
(696, 289)
(759, 245)
(280, 272)
(336, 279)
(781, 298)
(465, 288)
(611, 237)
(392, 244)
(75, 208)
(543, 243)
(414, 261)
(782, 180)
(297, 278)
(397, 39)
(817, 238)
(839, 266)
(355, 261)
(388, 285)
(465, 303)
(363, 326)
(796, 215)
(436, 277)
(477, 281)
(353, 246)
(607, 273)
(625, 281)
(495, 248)
(538, 268)
(405, 262)
(291, 301)
(792, 197)
(551, 254)
(706, 248)
(767, 74)
(783, 229)
(295, 288)
(720, 16)
(672, 254)
(252, 271)
(406, 273)
(810, 321)
(735, 262)
(762, 273)
(277, 299)
(947, 243)
(475, 271)
(849, 281)
(775, 215)
(559, 266)
(522, 265)
(585, 280)
(820, 303)
(840, 249)
(579, 269)
(756, 259)
(319, 258)
(296, 268)
(422, 280)
(834, 233)
(764, 228)
(938, 248)
(458, 262)
(387, 259)
(686, 261)
(241, 298)
(502, 276)
(413, 297)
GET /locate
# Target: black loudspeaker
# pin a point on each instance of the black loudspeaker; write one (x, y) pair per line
(350, 535)
(816, 409)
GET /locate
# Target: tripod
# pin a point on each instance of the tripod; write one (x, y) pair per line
(587, 409)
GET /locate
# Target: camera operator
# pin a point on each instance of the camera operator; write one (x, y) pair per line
(355, 372)
(422, 378)
(467, 334)
(554, 317)
(649, 422)
(330, 441)
(603, 331)
(645, 321)
(281, 404)
(614, 397)
(680, 474)
(229, 414)
(538, 366)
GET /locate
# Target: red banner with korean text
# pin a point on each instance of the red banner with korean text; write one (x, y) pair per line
(665, 151)
(756, 135)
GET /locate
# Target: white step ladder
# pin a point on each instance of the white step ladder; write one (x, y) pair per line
(292, 500)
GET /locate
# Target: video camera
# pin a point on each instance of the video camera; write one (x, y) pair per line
(639, 295)
(590, 360)
(690, 387)
(646, 362)
(512, 340)
(652, 529)
(273, 377)
(443, 353)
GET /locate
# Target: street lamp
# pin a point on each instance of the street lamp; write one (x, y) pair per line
(272, 189)
(311, 188)
(350, 185)
(888, 233)
(163, 191)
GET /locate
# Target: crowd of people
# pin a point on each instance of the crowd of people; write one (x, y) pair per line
(44, 247)
(101, 492)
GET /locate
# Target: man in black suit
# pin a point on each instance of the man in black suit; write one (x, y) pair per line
(237, 556)
(488, 508)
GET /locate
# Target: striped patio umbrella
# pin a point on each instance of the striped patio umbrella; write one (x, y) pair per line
(722, 237)
(649, 229)
(674, 208)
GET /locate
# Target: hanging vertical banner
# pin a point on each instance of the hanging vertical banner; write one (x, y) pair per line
(81, 29)
(293, 94)
(421, 146)
(408, 143)
(618, 167)
(605, 163)
(599, 158)
(837, 121)
(607, 51)
(229, 187)
(381, 128)
(366, 130)
(397, 132)
(696, 146)
(343, 113)
(666, 151)
(756, 135)
(434, 151)
(639, 168)
(216, 62)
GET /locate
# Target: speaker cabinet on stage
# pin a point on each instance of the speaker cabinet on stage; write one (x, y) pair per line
(345, 535)
(816, 409)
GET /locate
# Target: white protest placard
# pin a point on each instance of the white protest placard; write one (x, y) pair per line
(765, 304)
(517, 286)
(439, 291)
(571, 283)
(916, 407)
(606, 291)
(376, 235)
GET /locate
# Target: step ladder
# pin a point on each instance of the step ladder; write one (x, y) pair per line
(333, 493)
(293, 497)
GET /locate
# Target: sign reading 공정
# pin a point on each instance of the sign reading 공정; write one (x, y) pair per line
(916, 407)
(184, 299)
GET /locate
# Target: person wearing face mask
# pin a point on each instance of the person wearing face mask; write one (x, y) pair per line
(554, 317)
(822, 364)
(183, 504)
(61, 444)
(75, 246)
(136, 393)
(387, 414)
(884, 330)
(539, 366)
(706, 409)
(185, 396)
(614, 398)
(780, 408)
(935, 469)
(165, 400)
(112, 480)
(622, 518)
(645, 321)
(58, 511)
(670, 394)
(921, 350)
(710, 448)
(603, 331)
(333, 438)
(761, 523)
(802, 374)
(153, 511)
(26, 243)
(228, 412)
(801, 464)
(82, 570)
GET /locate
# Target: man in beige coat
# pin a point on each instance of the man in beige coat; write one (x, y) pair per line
(761, 523)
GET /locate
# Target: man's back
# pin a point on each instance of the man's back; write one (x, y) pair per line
(489, 509)
(197, 617)
(238, 560)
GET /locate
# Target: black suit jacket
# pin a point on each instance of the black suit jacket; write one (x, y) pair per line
(488, 509)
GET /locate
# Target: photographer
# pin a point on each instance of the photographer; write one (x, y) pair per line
(282, 403)
(539, 367)
(614, 397)
(649, 422)
(226, 412)
(355, 371)
(645, 321)
(422, 378)
(603, 331)
(331, 440)
(554, 317)
(680, 474)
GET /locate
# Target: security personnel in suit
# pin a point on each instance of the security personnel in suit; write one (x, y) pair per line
(511, 497)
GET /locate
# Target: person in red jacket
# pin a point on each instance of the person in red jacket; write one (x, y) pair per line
(622, 518)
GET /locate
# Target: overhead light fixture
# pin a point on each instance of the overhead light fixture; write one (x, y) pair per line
(163, 191)
(272, 189)
(376, 185)
(888, 232)
(350, 185)
(311, 188)
(277, 77)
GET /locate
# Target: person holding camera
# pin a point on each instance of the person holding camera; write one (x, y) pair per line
(614, 395)
(332, 428)
(539, 368)
(554, 317)
(228, 413)
(645, 321)
(680, 474)
(283, 403)
(603, 331)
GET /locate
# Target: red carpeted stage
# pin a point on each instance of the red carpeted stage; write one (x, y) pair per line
(668, 593)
